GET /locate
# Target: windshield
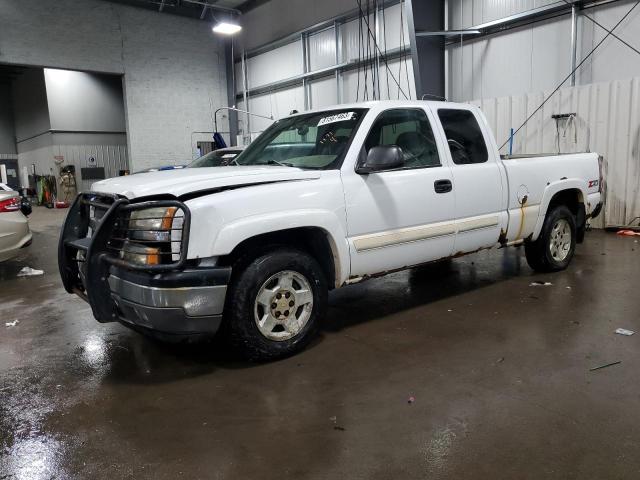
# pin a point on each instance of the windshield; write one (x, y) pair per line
(216, 158)
(315, 140)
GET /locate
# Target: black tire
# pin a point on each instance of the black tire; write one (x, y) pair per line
(239, 323)
(539, 253)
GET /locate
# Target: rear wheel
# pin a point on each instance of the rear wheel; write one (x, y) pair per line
(555, 247)
(275, 304)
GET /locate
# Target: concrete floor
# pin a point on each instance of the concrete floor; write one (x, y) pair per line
(499, 371)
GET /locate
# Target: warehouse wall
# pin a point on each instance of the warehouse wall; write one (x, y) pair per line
(286, 62)
(7, 128)
(174, 74)
(536, 57)
(65, 117)
(31, 114)
(607, 122)
(81, 101)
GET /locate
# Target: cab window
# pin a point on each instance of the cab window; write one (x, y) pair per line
(410, 130)
(465, 139)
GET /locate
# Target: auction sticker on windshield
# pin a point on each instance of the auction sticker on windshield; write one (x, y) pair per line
(340, 117)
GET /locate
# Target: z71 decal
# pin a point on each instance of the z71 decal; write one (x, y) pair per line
(593, 183)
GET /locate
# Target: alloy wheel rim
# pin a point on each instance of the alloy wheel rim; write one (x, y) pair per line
(560, 240)
(283, 305)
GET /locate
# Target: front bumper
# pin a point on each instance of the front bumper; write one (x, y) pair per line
(182, 302)
(173, 298)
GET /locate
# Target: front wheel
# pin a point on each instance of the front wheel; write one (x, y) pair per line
(556, 245)
(275, 304)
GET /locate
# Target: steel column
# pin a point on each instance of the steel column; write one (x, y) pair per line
(574, 42)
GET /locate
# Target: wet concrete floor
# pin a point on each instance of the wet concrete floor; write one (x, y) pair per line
(498, 371)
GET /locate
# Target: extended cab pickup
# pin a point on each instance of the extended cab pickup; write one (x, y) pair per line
(319, 200)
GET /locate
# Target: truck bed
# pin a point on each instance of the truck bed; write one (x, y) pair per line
(532, 181)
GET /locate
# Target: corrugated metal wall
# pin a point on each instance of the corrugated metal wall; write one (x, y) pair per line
(112, 157)
(466, 13)
(607, 121)
(536, 57)
(286, 62)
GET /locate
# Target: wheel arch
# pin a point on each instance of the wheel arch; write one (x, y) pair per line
(571, 193)
(317, 241)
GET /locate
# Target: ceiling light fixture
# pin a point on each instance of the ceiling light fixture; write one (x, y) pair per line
(227, 28)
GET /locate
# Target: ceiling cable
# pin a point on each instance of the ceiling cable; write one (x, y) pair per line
(571, 73)
(384, 34)
(384, 58)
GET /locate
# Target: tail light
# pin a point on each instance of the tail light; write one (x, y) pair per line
(600, 173)
(10, 205)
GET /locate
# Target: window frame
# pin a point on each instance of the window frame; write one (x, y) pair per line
(362, 155)
(446, 139)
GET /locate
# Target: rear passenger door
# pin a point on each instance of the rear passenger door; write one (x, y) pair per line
(479, 185)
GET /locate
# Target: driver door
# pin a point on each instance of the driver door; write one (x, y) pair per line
(403, 216)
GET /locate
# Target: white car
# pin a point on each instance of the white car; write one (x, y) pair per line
(14, 226)
(320, 200)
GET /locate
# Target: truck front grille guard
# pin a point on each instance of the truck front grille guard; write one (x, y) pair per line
(89, 246)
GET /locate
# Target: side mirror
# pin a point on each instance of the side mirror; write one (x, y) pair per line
(384, 157)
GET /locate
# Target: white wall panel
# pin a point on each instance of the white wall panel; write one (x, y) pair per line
(607, 122)
(613, 60)
(523, 60)
(324, 92)
(466, 13)
(322, 49)
(277, 104)
(536, 57)
(278, 64)
(393, 27)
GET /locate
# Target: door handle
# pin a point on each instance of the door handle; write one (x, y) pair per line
(442, 186)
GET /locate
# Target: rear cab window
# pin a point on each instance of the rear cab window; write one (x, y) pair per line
(464, 136)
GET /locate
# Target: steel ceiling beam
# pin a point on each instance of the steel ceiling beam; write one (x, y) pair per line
(538, 14)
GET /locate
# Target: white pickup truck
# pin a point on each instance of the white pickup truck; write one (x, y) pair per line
(320, 200)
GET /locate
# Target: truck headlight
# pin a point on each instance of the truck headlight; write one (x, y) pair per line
(153, 224)
(153, 236)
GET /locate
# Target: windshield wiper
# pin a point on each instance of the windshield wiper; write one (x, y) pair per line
(276, 162)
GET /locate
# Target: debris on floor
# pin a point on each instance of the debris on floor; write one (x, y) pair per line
(628, 233)
(334, 420)
(605, 365)
(500, 360)
(624, 331)
(12, 324)
(539, 283)
(29, 272)
(411, 399)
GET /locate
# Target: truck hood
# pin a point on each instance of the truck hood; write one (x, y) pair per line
(192, 180)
